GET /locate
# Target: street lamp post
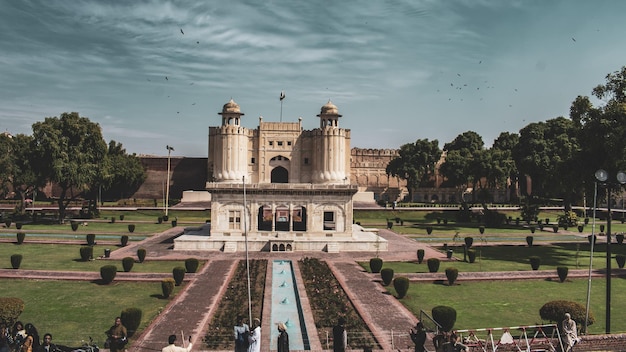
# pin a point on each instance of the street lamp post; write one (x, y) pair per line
(167, 192)
(603, 176)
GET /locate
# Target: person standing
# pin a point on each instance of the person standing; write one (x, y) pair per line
(340, 336)
(254, 339)
(283, 338)
(117, 336)
(570, 332)
(242, 331)
(418, 336)
(173, 348)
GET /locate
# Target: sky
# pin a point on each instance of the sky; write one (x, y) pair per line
(156, 72)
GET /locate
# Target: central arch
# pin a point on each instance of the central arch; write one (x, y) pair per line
(280, 175)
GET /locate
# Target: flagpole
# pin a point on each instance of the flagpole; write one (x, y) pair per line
(282, 97)
(245, 233)
(593, 242)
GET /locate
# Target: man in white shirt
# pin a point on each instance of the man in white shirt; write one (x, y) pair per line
(173, 348)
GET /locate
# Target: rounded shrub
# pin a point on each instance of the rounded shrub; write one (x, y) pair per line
(167, 287)
(481, 229)
(179, 275)
(16, 261)
(386, 275)
(580, 228)
(191, 265)
(375, 265)
(20, 237)
(535, 261)
(445, 316)
(529, 240)
(74, 225)
(18, 225)
(166, 217)
(532, 228)
(112, 220)
(124, 240)
(401, 285)
(602, 228)
(131, 319)
(471, 256)
(127, 263)
(86, 253)
(555, 311)
(174, 223)
(452, 274)
(420, 255)
(620, 238)
(621, 260)
(131, 228)
(433, 264)
(468, 242)
(562, 271)
(107, 273)
(555, 228)
(429, 230)
(160, 220)
(592, 239)
(141, 254)
(121, 217)
(91, 239)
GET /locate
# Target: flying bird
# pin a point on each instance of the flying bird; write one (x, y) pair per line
(166, 78)
(574, 39)
(181, 31)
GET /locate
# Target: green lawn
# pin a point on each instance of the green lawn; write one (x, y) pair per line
(515, 303)
(67, 257)
(72, 311)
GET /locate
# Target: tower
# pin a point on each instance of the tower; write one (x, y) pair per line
(229, 145)
(329, 165)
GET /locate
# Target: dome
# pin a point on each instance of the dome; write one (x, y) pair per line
(231, 107)
(329, 109)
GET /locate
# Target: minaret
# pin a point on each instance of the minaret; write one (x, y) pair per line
(329, 165)
(231, 146)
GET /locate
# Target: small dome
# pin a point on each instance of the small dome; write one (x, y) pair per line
(231, 107)
(329, 109)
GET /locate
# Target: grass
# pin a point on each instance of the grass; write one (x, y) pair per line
(67, 257)
(514, 303)
(515, 258)
(72, 311)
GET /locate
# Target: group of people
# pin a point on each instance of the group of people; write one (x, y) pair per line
(247, 340)
(24, 338)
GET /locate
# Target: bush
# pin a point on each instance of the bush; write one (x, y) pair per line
(602, 228)
(529, 240)
(16, 261)
(580, 228)
(74, 225)
(481, 229)
(18, 225)
(178, 273)
(555, 311)
(10, 310)
(141, 254)
(121, 217)
(386, 275)
(86, 253)
(429, 229)
(131, 319)
(124, 240)
(535, 261)
(532, 229)
(131, 228)
(112, 220)
(375, 265)
(127, 263)
(401, 284)
(592, 239)
(620, 238)
(621, 260)
(420, 256)
(160, 220)
(562, 271)
(452, 274)
(555, 228)
(20, 237)
(191, 265)
(107, 273)
(445, 316)
(471, 255)
(433, 265)
(167, 287)
(91, 239)
(174, 223)
(469, 241)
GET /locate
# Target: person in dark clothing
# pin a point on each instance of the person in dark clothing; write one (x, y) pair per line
(47, 345)
(418, 336)
(283, 338)
(340, 336)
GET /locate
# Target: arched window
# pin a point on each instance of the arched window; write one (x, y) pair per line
(280, 175)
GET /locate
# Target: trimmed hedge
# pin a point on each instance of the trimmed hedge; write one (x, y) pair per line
(555, 311)
(452, 274)
(141, 254)
(131, 228)
(179, 275)
(386, 275)
(131, 318)
(375, 265)
(107, 273)
(10, 310)
(562, 271)
(86, 253)
(471, 256)
(167, 287)
(535, 261)
(91, 239)
(621, 260)
(445, 316)
(401, 284)
(20, 237)
(433, 264)
(128, 263)
(124, 240)
(468, 242)
(16, 261)
(420, 256)
(74, 225)
(191, 265)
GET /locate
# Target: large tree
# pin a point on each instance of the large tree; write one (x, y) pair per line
(124, 173)
(464, 159)
(415, 162)
(68, 152)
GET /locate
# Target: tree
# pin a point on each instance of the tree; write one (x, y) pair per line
(123, 173)
(68, 151)
(6, 144)
(415, 162)
(464, 160)
(16, 173)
